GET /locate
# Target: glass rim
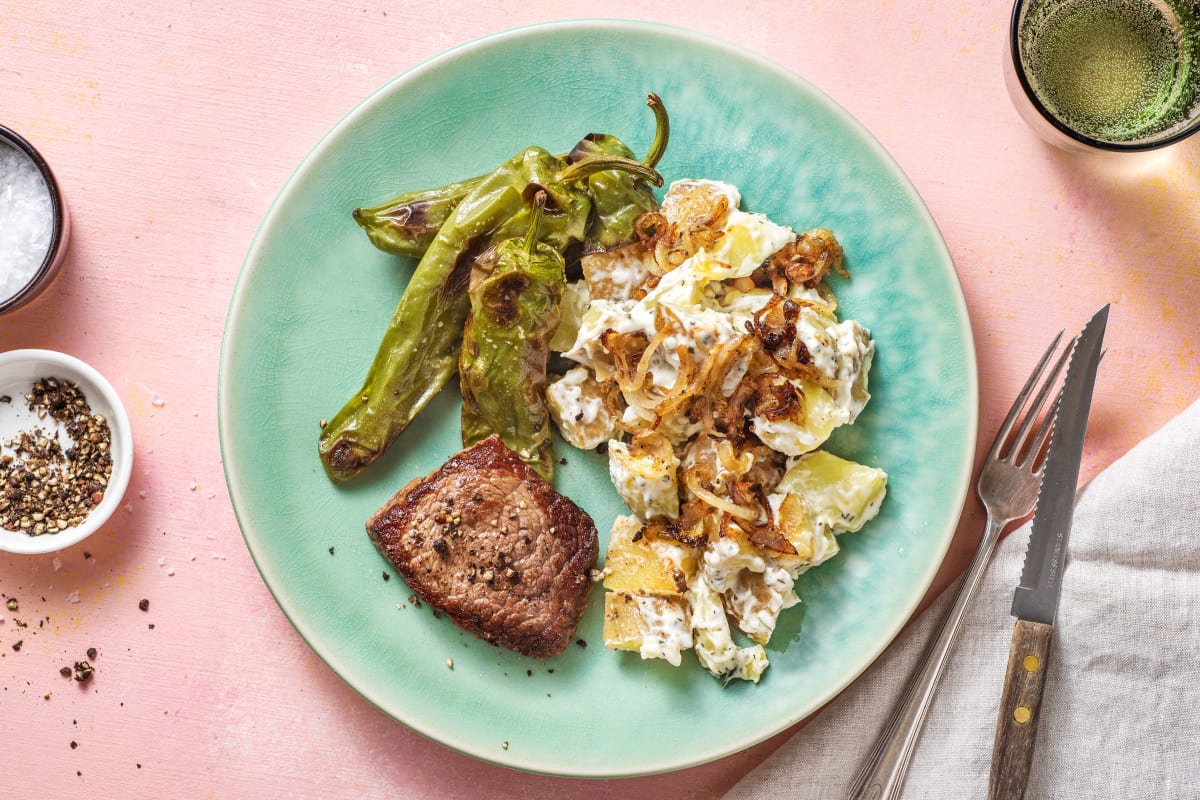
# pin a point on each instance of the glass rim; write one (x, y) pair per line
(1014, 52)
(57, 223)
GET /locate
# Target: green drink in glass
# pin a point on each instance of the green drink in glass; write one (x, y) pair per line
(1108, 74)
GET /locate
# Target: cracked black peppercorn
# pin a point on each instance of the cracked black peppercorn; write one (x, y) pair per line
(47, 489)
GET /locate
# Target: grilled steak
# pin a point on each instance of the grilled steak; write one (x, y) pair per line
(488, 541)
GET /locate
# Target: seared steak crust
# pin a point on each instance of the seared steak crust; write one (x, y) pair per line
(487, 541)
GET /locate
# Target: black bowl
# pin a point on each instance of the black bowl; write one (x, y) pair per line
(60, 230)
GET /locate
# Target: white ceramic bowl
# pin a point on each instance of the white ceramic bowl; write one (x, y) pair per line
(19, 370)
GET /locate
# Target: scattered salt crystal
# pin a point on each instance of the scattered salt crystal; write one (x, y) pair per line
(219, 555)
(25, 220)
(57, 564)
(129, 508)
(192, 486)
(170, 572)
(162, 560)
(193, 556)
(142, 494)
(158, 402)
(73, 597)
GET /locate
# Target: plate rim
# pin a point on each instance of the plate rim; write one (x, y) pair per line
(295, 616)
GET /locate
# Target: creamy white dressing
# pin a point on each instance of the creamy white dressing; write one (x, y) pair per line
(725, 558)
(582, 418)
(615, 274)
(756, 599)
(666, 630)
(647, 485)
(813, 330)
(714, 643)
(855, 351)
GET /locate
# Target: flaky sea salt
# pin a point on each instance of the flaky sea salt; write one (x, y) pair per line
(26, 219)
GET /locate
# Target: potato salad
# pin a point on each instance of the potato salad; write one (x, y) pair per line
(710, 361)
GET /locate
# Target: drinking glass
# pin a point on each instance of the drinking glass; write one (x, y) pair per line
(1106, 75)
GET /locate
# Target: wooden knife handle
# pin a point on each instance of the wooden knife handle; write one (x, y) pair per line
(1016, 728)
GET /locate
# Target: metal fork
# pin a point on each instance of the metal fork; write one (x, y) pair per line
(1008, 486)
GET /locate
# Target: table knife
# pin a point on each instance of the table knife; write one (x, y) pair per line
(1036, 599)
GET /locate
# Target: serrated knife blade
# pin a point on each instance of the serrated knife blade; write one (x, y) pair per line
(1035, 601)
(1036, 597)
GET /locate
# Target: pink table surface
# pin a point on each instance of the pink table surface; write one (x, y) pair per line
(172, 126)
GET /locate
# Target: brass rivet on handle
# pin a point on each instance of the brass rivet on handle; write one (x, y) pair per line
(1022, 715)
(1031, 663)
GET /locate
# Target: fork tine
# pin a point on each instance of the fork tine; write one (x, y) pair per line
(1043, 433)
(1007, 425)
(1039, 401)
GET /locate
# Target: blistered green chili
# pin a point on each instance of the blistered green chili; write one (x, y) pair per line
(619, 197)
(506, 343)
(406, 224)
(420, 349)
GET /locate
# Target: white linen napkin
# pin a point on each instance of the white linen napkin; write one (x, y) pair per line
(1121, 710)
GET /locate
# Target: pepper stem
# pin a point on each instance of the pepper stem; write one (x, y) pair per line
(599, 163)
(662, 131)
(535, 222)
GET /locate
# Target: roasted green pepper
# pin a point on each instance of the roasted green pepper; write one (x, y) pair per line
(406, 224)
(618, 197)
(506, 343)
(419, 351)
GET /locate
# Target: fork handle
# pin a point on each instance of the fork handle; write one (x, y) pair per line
(1016, 727)
(882, 775)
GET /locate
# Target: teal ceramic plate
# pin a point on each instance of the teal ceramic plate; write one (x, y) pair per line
(314, 298)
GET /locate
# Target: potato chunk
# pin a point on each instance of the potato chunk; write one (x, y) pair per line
(645, 475)
(654, 626)
(636, 563)
(840, 494)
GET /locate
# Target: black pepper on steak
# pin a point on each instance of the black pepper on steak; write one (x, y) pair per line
(488, 541)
